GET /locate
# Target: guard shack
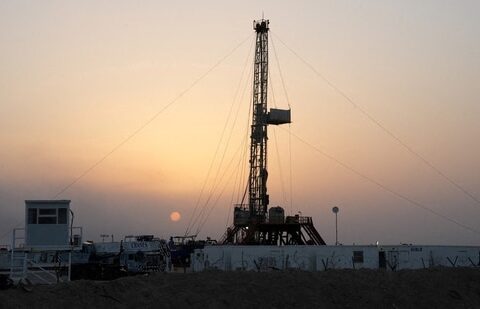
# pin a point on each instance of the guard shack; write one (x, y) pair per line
(42, 250)
(47, 223)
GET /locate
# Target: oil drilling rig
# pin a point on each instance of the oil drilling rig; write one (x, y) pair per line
(254, 223)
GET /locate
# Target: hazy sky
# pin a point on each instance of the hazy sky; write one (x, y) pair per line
(78, 77)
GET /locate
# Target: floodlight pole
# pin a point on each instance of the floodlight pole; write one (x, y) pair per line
(336, 229)
(335, 211)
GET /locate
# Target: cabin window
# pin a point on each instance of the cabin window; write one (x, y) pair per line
(47, 220)
(62, 216)
(32, 216)
(358, 256)
(47, 212)
(47, 216)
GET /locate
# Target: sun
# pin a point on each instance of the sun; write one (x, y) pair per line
(175, 216)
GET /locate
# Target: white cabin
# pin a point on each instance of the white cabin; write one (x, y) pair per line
(47, 223)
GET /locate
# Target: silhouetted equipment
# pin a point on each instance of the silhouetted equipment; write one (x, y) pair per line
(254, 223)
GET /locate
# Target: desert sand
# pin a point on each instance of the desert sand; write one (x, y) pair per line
(429, 288)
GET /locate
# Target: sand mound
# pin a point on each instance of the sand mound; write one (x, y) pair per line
(430, 288)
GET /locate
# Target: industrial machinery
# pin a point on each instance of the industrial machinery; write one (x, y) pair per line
(254, 223)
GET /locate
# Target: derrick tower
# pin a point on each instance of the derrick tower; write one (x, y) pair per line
(257, 182)
(254, 223)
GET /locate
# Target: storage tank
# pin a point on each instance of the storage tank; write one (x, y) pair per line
(77, 240)
(276, 215)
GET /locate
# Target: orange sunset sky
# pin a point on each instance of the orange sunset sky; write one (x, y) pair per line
(77, 78)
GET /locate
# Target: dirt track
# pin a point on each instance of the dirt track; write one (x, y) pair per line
(434, 288)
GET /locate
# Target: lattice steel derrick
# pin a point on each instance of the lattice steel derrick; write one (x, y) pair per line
(258, 197)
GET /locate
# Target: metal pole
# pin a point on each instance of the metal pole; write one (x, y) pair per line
(12, 254)
(335, 211)
(336, 229)
(70, 265)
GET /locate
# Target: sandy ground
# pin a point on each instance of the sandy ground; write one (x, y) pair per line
(431, 288)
